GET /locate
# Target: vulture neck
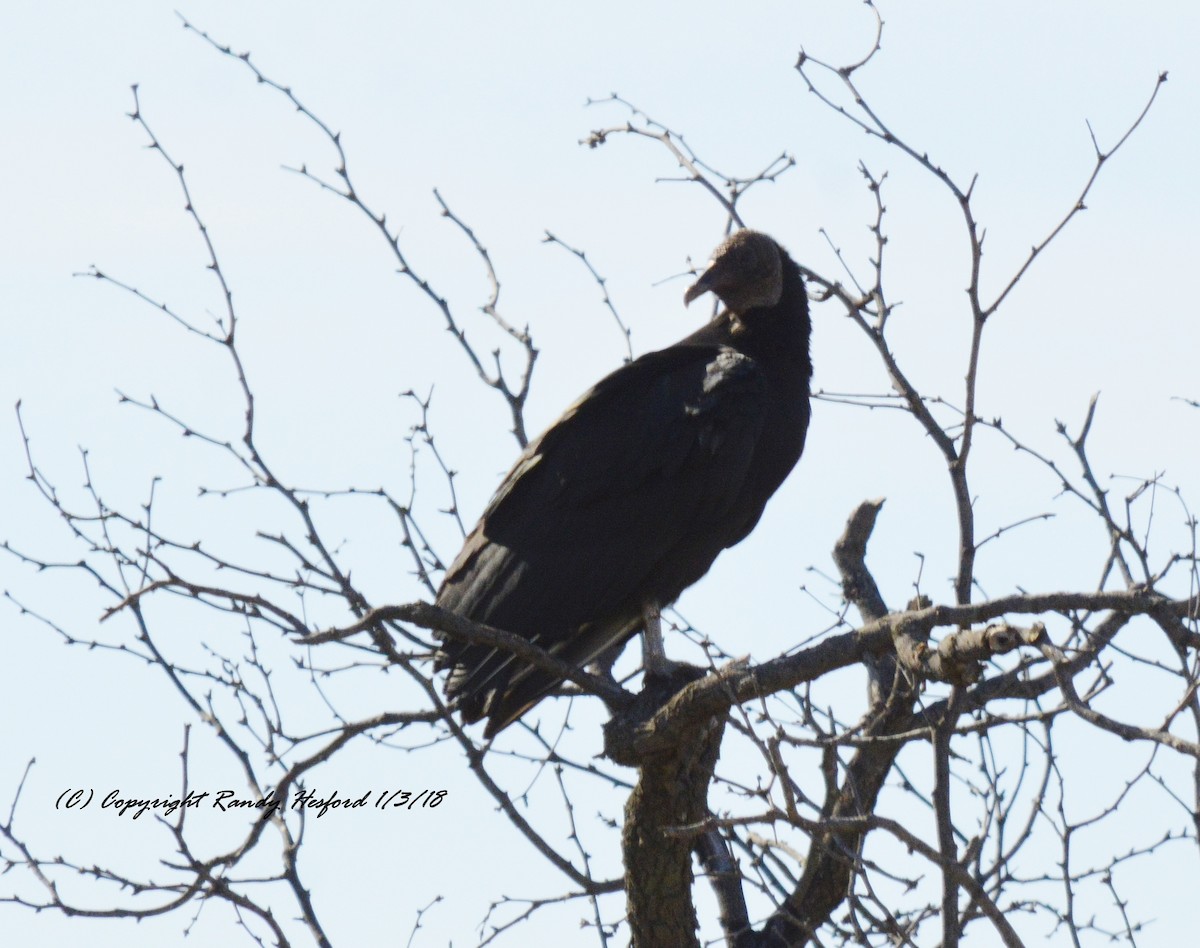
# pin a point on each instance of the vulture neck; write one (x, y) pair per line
(771, 334)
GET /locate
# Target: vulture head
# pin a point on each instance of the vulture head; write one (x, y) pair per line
(746, 272)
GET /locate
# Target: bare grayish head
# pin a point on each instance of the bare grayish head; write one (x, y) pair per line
(746, 272)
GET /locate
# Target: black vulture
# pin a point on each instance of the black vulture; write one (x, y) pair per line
(627, 499)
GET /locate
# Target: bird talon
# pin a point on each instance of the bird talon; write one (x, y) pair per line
(664, 668)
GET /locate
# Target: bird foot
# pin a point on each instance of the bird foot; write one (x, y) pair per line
(655, 664)
(659, 666)
(663, 682)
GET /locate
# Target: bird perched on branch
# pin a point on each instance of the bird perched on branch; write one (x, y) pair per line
(629, 497)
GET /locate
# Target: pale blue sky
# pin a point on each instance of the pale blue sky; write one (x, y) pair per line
(485, 102)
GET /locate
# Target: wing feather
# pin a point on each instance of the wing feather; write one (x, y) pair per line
(627, 496)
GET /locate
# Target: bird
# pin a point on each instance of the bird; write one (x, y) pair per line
(630, 496)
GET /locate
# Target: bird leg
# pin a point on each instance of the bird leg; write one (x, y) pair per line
(654, 655)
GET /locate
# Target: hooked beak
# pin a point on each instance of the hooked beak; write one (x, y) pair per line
(705, 283)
